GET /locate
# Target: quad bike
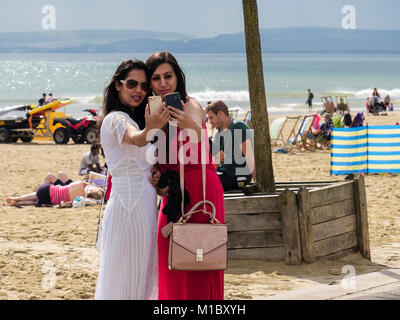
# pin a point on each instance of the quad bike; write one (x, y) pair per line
(79, 130)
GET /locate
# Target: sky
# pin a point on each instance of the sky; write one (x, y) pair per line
(202, 18)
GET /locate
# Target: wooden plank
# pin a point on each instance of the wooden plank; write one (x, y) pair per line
(335, 227)
(255, 239)
(331, 194)
(231, 194)
(304, 185)
(340, 254)
(256, 221)
(360, 201)
(274, 254)
(253, 204)
(306, 231)
(295, 185)
(336, 244)
(290, 228)
(332, 211)
(301, 183)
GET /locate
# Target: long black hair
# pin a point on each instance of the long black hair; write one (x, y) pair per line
(111, 100)
(159, 58)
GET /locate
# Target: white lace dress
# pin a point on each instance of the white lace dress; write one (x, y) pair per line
(128, 257)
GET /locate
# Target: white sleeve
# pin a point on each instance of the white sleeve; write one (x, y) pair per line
(116, 124)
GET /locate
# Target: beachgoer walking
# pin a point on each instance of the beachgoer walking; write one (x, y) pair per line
(166, 76)
(310, 97)
(128, 256)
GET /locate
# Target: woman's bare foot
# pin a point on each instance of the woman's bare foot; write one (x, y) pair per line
(11, 201)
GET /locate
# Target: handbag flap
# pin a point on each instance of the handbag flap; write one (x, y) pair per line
(193, 236)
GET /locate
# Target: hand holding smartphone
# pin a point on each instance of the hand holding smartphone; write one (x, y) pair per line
(155, 103)
(173, 100)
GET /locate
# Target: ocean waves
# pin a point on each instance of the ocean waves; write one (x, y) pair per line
(212, 95)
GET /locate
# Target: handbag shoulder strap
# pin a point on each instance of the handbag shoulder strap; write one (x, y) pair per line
(203, 169)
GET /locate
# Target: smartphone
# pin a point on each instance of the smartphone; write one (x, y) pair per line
(155, 103)
(173, 100)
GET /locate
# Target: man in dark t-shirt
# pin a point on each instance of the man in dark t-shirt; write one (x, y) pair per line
(233, 143)
(309, 100)
(42, 100)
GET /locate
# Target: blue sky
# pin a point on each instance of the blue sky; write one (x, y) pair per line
(203, 18)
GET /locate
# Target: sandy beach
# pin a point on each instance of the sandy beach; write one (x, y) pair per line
(48, 253)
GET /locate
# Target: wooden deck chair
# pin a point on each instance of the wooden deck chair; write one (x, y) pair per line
(303, 127)
(247, 119)
(292, 122)
(308, 139)
(97, 181)
(328, 105)
(276, 130)
(233, 113)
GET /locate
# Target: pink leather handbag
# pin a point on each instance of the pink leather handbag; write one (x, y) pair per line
(197, 246)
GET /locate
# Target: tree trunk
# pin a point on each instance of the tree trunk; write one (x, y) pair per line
(262, 141)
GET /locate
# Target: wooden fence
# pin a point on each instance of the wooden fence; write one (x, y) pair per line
(302, 222)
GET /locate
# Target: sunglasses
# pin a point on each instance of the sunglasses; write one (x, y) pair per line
(132, 84)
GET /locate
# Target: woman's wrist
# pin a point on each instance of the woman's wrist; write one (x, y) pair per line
(145, 133)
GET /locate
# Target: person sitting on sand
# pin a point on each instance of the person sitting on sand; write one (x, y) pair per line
(90, 161)
(53, 191)
(326, 128)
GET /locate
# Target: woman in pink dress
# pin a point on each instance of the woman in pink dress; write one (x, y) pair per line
(166, 77)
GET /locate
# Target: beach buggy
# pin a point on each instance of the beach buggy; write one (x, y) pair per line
(17, 123)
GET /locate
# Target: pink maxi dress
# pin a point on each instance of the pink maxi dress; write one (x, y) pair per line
(191, 285)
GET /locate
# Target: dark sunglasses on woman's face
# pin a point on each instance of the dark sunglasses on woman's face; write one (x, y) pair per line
(132, 84)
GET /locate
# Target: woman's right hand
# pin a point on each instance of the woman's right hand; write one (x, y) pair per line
(158, 119)
(163, 192)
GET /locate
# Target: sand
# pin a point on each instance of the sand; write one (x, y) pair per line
(48, 253)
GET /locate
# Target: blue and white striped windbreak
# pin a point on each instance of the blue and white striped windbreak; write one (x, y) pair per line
(370, 149)
(384, 149)
(348, 150)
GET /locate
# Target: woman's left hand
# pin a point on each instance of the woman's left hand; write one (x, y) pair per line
(184, 119)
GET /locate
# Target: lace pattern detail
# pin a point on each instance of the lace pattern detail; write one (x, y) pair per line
(128, 260)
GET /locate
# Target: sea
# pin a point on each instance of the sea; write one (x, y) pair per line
(83, 77)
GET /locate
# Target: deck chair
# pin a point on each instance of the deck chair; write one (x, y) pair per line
(342, 105)
(289, 130)
(276, 130)
(247, 119)
(233, 113)
(328, 105)
(97, 181)
(301, 135)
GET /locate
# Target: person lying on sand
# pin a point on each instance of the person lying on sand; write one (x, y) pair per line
(53, 191)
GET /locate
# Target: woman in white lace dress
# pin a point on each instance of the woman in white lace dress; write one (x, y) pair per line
(128, 255)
